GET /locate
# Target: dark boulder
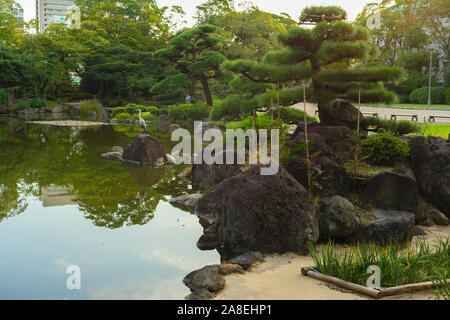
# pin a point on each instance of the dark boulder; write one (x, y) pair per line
(208, 241)
(204, 175)
(390, 226)
(247, 259)
(229, 268)
(268, 213)
(186, 201)
(396, 190)
(432, 217)
(200, 294)
(115, 153)
(340, 113)
(206, 278)
(337, 218)
(144, 150)
(430, 160)
(329, 148)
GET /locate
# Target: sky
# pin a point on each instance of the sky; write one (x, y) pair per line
(292, 7)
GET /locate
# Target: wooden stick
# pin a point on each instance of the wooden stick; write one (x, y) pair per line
(310, 272)
(409, 288)
(374, 293)
(278, 102)
(357, 137)
(308, 160)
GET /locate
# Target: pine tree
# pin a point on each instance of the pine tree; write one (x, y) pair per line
(195, 54)
(331, 55)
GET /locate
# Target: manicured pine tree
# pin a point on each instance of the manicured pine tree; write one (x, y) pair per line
(195, 53)
(331, 55)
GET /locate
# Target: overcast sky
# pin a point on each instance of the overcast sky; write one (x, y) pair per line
(292, 7)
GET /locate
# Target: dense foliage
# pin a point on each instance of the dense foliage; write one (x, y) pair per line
(384, 149)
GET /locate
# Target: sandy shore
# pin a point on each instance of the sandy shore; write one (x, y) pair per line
(279, 278)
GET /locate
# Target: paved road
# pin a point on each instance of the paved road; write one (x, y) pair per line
(385, 113)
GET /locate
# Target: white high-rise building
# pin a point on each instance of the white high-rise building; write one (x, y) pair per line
(51, 11)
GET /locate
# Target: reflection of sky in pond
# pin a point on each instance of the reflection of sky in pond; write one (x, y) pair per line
(146, 258)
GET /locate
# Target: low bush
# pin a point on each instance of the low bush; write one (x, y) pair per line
(87, 107)
(37, 103)
(293, 116)
(123, 116)
(384, 149)
(147, 116)
(3, 97)
(420, 95)
(188, 112)
(396, 127)
(447, 95)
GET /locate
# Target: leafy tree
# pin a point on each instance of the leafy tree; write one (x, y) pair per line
(195, 53)
(328, 54)
(246, 34)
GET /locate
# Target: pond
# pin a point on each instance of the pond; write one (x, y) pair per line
(61, 204)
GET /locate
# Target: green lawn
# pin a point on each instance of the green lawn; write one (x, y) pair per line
(413, 106)
(436, 130)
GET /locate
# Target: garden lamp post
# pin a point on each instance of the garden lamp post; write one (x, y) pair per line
(429, 79)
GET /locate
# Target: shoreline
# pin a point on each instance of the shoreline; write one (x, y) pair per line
(279, 278)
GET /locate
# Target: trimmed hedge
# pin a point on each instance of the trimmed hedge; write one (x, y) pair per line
(384, 149)
(447, 95)
(132, 108)
(420, 96)
(396, 127)
(37, 103)
(188, 112)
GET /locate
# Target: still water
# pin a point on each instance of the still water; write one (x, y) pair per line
(61, 205)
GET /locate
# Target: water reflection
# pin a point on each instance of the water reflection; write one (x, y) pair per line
(73, 207)
(64, 164)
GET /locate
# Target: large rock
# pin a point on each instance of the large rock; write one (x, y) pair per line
(340, 113)
(390, 226)
(265, 213)
(115, 153)
(330, 147)
(144, 150)
(206, 175)
(432, 217)
(206, 278)
(186, 201)
(430, 160)
(247, 260)
(395, 190)
(337, 218)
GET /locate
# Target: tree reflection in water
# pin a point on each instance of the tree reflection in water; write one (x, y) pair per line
(109, 193)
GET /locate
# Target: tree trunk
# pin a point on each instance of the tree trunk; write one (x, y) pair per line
(24, 93)
(208, 96)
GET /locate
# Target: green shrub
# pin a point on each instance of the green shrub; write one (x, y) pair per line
(188, 112)
(401, 127)
(87, 107)
(3, 97)
(263, 121)
(420, 96)
(123, 116)
(293, 116)
(37, 103)
(384, 149)
(447, 95)
(147, 116)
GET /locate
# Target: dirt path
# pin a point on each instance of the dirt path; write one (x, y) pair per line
(279, 278)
